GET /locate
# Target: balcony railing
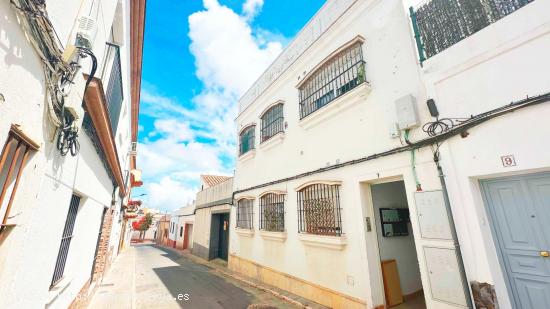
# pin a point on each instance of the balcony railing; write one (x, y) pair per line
(113, 93)
(439, 24)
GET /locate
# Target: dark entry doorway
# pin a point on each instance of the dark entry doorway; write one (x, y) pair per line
(219, 236)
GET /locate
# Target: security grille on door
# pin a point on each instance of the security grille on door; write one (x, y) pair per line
(66, 240)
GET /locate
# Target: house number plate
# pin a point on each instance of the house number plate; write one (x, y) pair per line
(508, 160)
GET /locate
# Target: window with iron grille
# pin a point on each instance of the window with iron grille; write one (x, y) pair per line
(319, 210)
(272, 212)
(272, 122)
(245, 214)
(66, 240)
(13, 158)
(338, 75)
(246, 140)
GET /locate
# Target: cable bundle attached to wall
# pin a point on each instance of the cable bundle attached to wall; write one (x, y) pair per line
(61, 66)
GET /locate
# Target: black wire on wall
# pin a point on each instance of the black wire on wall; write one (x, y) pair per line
(448, 132)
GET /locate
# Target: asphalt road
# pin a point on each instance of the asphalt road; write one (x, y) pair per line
(146, 276)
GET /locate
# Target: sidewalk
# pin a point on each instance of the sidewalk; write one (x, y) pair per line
(122, 294)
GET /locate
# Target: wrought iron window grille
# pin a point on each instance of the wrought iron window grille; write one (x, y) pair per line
(66, 240)
(319, 210)
(245, 214)
(272, 212)
(246, 140)
(339, 75)
(272, 122)
(440, 24)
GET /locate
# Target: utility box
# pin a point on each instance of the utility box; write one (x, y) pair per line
(407, 113)
(432, 215)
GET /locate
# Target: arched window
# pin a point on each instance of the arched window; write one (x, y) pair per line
(272, 122)
(319, 210)
(246, 140)
(272, 212)
(245, 213)
(338, 75)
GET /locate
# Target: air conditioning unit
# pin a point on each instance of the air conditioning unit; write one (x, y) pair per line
(86, 32)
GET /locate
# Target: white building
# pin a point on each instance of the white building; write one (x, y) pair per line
(181, 227)
(338, 196)
(211, 229)
(61, 202)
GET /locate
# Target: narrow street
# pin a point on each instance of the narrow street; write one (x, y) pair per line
(146, 276)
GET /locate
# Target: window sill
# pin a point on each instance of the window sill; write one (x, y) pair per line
(57, 289)
(275, 236)
(273, 141)
(248, 155)
(327, 242)
(245, 232)
(354, 96)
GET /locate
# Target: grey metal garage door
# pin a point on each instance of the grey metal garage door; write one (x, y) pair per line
(519, 208)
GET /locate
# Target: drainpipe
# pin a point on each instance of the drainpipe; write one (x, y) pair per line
(465, 284)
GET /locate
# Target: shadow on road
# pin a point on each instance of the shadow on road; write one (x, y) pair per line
(203, 288)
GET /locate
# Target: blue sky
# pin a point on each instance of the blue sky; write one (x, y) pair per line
(199, 58)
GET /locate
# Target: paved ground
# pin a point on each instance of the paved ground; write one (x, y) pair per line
(145, 276)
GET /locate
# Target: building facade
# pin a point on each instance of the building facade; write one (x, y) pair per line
(163, 230)
(181, 228)
(70, 81)
(213, 205)
(361, 158)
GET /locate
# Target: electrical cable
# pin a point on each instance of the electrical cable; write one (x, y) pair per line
(442, 125)
(58, 74)
(67, 139)
(430, 141)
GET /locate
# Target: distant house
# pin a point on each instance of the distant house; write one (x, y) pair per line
(213, 205)
(162, 230)
(181, 227)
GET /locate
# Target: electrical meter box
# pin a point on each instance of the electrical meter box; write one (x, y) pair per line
(407, 114)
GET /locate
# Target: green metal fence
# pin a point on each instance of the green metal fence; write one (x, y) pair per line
(439, 24)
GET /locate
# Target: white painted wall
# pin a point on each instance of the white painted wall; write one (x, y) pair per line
(48, 181)
(357, 126)
(501, 63)
(508, 62)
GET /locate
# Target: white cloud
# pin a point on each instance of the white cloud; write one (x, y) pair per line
(173, 129)
(229, 57)
(251, 8)
(169, 194)
(227, 54)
